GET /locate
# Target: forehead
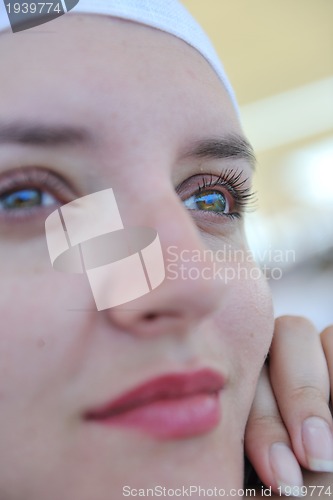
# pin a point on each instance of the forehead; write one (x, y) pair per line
(98, 66)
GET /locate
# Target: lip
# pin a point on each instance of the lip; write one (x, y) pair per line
(175, 405)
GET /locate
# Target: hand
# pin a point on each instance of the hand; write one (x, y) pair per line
(290, 421)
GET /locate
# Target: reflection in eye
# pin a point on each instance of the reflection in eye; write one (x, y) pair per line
(29, 194)
(25, 198)
(211, 201)
(228, 195)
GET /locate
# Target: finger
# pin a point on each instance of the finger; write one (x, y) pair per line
(300, 380)
(327, 343)
(267, 443)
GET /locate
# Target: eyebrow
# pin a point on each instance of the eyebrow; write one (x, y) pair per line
(42, 135)
(231, 146)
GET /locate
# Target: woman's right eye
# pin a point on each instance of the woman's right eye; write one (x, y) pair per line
(21, 199)
(29, 192)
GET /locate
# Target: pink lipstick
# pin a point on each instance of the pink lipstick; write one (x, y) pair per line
(176, 405)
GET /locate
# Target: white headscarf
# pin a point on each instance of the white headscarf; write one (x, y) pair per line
(166, 15)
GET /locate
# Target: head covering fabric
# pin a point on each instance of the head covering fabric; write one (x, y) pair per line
(169, 16)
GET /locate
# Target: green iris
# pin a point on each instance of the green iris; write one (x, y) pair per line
(211, 201)
(24, 198)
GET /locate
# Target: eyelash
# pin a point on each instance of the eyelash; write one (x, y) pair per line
(242, 197)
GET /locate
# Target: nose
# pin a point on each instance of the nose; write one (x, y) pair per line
(188, 294)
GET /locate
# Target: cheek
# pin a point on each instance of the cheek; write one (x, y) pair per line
(247, 316)
(39, 331)
(35, 303)
(248, 304)
(256, 316)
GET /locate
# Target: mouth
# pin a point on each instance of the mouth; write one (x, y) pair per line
(176, 405)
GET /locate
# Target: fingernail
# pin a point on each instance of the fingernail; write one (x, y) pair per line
(318, 444)
(286, 469)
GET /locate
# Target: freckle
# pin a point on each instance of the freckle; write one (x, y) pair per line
(41, 343)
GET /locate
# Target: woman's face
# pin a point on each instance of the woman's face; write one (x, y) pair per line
(92, 103)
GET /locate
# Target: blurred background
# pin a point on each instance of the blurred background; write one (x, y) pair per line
(279, 58)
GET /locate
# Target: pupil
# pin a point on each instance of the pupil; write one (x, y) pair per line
(212, 202)
(26, 198)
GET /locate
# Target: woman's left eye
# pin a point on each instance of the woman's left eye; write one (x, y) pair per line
(228, 194)
(21, 199)
(209, 201)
